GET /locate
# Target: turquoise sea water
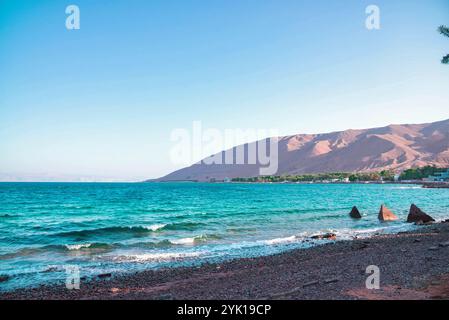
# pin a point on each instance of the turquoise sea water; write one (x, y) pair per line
(45, 227)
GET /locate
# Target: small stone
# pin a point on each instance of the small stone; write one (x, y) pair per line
(285, 293)
(166, 296)
(311, 283)
(360, 246)
(4, 278)
(417, 240)
(331, 280)
(104, 275)
(433, 248)
(444, 244)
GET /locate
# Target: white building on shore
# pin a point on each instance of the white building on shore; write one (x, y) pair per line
(439, 177)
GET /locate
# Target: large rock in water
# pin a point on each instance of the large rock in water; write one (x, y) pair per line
(386, 215)
(417, 215)
(355, 213)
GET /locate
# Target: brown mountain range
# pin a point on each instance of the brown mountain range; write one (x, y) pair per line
(394, 147)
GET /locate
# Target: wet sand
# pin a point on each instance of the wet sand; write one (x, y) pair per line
(413, 265)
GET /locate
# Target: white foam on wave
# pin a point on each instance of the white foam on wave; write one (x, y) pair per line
(342, 234)
(163, 256)
(77, 246)
(155, 227)
(280, 240)
(183, 241)
(410, 187)
(347, 234)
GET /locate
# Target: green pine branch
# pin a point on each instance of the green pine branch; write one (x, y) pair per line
(444, 30)
(445, 59)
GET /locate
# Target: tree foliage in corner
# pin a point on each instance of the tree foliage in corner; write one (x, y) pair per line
(445, 32)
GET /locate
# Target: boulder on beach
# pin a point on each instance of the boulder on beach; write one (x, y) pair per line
(416, 215)
(386, 215)
(355, 213)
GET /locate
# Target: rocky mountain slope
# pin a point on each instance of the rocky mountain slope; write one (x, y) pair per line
(395, 147)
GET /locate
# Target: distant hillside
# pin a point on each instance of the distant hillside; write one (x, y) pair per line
(395, 147)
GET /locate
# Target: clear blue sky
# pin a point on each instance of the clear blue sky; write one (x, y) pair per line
(100, 103)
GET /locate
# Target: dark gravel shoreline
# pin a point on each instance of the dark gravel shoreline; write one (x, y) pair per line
(413, 265)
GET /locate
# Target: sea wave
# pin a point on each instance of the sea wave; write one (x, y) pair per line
(132, 230)
(7, 215)
(25, 252)
(100, 246)
(91, 246)
(188, 226)
(77, 246)
(183, 241)
(241, 229)
(158, 210)
(82, 246)
(21, 253)
(302, 210)
(196, 239)
(155, 227)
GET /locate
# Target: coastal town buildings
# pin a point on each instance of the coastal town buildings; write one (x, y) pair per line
(439, 177)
